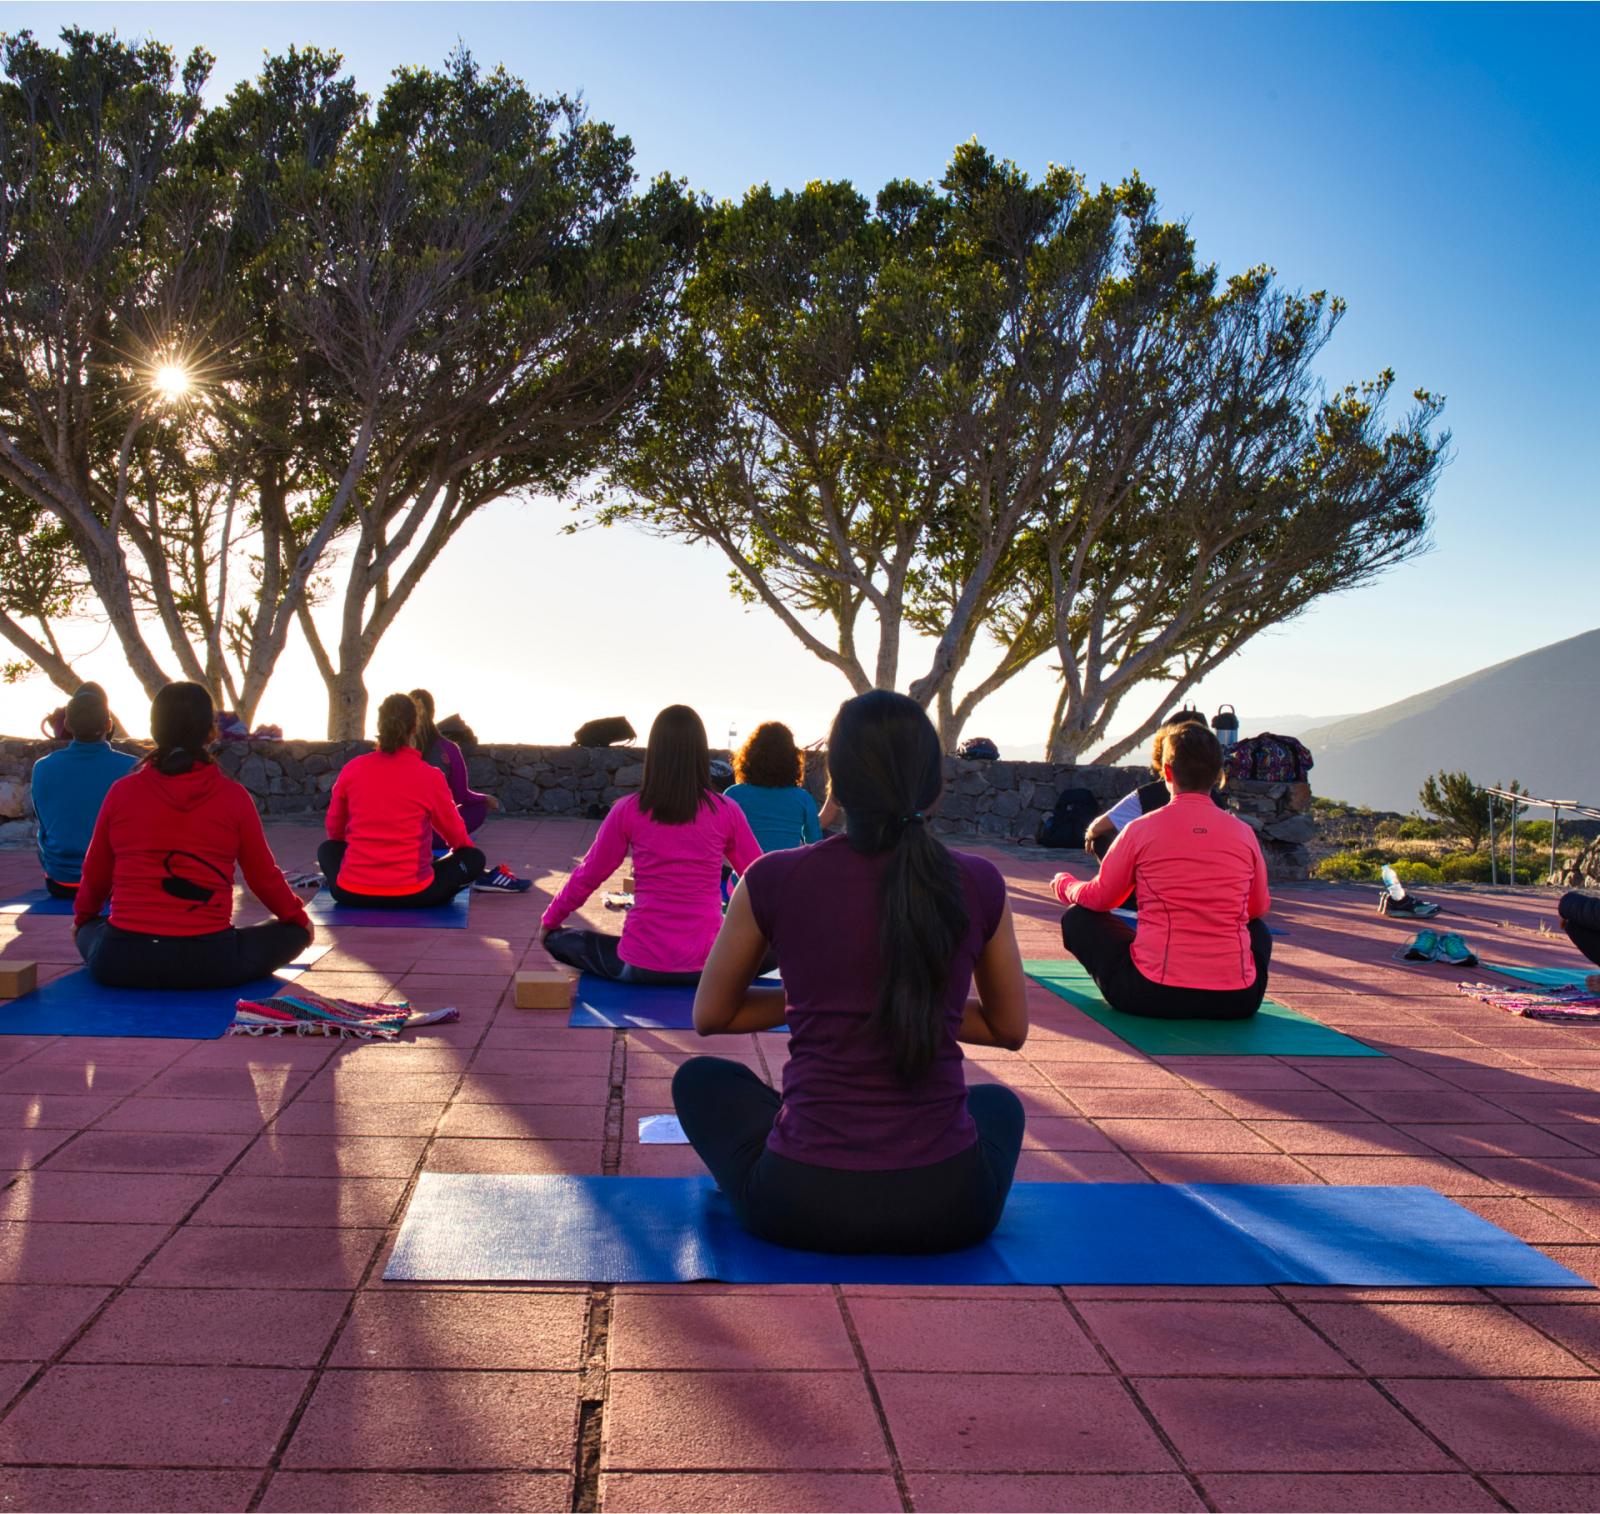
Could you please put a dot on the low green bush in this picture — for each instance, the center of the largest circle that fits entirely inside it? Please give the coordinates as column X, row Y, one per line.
column 1409, row 870
column 1346, row 867
column 1415, row 828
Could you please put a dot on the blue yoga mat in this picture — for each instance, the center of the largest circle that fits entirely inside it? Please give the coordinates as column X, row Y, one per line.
column 452, row 916
column 471, row 1227
column 602, row 1003
column 1545, row 977
column 39, row 902
column 78, row 1006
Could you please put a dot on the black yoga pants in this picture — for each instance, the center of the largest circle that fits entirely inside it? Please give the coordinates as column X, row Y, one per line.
column 1102, row 943
column 219, row 959
column 60, row 890
column 1580, row 918
column 727, row 1113
column 451, row 873
column 593, row 951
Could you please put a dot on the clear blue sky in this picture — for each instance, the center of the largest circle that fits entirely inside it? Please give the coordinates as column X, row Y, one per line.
column 1435, row 165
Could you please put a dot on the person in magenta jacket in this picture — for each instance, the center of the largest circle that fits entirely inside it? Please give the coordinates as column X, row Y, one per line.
column 1202, row 947
column 679, row 832
column 164, row 850
column 385, row 808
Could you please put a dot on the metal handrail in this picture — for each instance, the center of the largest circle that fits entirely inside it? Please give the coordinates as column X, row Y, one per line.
column 1520, row 802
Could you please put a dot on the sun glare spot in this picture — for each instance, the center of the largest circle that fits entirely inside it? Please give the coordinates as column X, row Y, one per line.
column 171, row 381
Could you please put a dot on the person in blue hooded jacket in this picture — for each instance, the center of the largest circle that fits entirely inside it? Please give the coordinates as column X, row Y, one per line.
column 69, row 787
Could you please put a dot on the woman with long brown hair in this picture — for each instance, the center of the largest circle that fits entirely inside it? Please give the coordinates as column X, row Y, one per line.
column 679, row 831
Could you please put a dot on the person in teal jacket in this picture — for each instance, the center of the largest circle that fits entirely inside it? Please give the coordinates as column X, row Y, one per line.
column 768, row 772
column 69, row 787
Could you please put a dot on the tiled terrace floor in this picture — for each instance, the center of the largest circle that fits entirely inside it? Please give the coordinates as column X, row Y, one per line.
column 192, row 1237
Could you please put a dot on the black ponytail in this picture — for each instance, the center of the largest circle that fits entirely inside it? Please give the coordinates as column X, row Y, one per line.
column 397, row 722
column 887, row 770
column 183, row 723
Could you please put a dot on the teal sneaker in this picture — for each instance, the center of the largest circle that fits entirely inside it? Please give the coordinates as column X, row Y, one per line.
column 1423, row 947
column 1455, row 951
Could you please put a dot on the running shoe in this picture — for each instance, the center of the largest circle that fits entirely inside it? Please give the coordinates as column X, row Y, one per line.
column 501, row 880
column 1423, row 947
column 1455, row 951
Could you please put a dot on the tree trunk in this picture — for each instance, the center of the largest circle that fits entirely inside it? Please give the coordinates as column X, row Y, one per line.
column 347, row 705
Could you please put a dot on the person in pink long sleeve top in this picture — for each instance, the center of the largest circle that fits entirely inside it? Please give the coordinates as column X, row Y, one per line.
column 679, row 832
column 1202, row 947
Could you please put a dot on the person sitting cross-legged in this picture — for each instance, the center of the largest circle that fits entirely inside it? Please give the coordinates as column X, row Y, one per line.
column 385, row 808
column 1580, row 919
column 876, row 1143
column 168, row 840
column 69, row 787
column 1202, row 947
column 679, row 832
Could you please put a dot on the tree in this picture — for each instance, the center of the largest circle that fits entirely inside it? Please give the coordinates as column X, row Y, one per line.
column 1013, row 414
column 1457, row 801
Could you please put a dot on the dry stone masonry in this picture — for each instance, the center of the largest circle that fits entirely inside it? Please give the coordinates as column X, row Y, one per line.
column 998, row 801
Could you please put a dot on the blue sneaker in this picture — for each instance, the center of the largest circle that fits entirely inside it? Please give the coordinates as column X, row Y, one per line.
column 499, row 879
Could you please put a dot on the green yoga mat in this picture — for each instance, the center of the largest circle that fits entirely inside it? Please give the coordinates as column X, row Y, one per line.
column 1274, row 1030
column 1545, row 977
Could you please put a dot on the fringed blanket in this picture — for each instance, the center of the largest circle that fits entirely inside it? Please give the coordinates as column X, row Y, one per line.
column 302, row 1012
column 1570, row 1005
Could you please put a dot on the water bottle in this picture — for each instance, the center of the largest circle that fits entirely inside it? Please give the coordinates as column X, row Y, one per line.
column 1226, row 724
column 1397, row 890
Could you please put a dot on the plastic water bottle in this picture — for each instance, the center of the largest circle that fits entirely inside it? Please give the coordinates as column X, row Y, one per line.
column 1397, row 890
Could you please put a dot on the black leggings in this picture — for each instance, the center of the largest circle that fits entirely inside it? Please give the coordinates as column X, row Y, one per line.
column 1580, row 919
column 727, row 1113
column 451, row 873
column 1102, row 943
column 60, row 890
column 219, row 959
column 593, row 951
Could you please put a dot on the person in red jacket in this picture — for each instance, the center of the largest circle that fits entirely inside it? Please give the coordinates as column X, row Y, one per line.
column 385, row 808
column 1202, row 948
column 164, row 849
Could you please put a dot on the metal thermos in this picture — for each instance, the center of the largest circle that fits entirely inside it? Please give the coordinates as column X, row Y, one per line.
column 1226, row 724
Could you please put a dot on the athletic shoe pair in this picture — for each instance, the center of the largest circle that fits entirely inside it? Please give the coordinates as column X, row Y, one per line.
column 499, row 879
column 1430, row 946
column 1408, row 906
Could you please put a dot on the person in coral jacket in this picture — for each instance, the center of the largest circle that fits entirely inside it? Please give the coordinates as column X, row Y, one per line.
column 1202, row 946
column 385, row 807
column 164, row 850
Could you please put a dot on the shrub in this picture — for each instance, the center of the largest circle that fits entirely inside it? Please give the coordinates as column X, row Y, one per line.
column 1415, row 828
column 1346, row 867
column 1465, row 867
column 1408, row 870
column 1534, row 832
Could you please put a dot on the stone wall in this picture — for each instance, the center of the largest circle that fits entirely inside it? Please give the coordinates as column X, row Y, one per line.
column 1001, row 801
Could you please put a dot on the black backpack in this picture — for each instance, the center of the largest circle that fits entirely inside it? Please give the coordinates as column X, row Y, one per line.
column 1064, row 826
column 604, row 732
column 978, row 749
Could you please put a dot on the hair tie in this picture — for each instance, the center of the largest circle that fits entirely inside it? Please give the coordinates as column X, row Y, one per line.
column 912, row 819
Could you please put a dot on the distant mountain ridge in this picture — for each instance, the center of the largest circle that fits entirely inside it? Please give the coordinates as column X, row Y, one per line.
column 1535, row 717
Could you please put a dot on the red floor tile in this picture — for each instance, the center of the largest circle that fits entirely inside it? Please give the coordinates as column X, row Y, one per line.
column 509, row 1331
column 241, row 1256
column 528, row 1122
column 49, row 1111
column 1287, row 1493
column 1441, row 1340
column 483, row 1155
column 1553, row 1495
column 1518, row 1140
column 1047, row 1493
column 1575, row 1327
column 356, row 1202
column 197, row 1116
column 152, row 1416
column 1061, row 1133
column 35, row 1321
column 1184, row 1135
column 1438, row 1173
column 1284, row 1425
column 104, row 1198
column 1507, row 1426
column 1078, row 1167
column 806, row 1421
column 1247, row 1167
column 744, row 1492
column 44, row 1252
column 277, row 1155
column 1343, row 1138
column 148, row 1151
column 71, row 1489
column 392, row 1421
column 321, row 1117
column 454, row 1493
column 745, row 1330
column 960, row 1422
column 971, row 1335
column 1198, row 1338
column 259, row 1326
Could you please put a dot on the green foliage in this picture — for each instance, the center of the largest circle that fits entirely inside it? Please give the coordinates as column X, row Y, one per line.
column 1464, row 807
column 1413, row 870
column 1346, row 867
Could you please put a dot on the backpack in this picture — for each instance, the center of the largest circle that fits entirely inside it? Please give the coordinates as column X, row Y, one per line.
column 978, row 749
column 604, row 732
column 1065, row 824
column 1269, row 759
